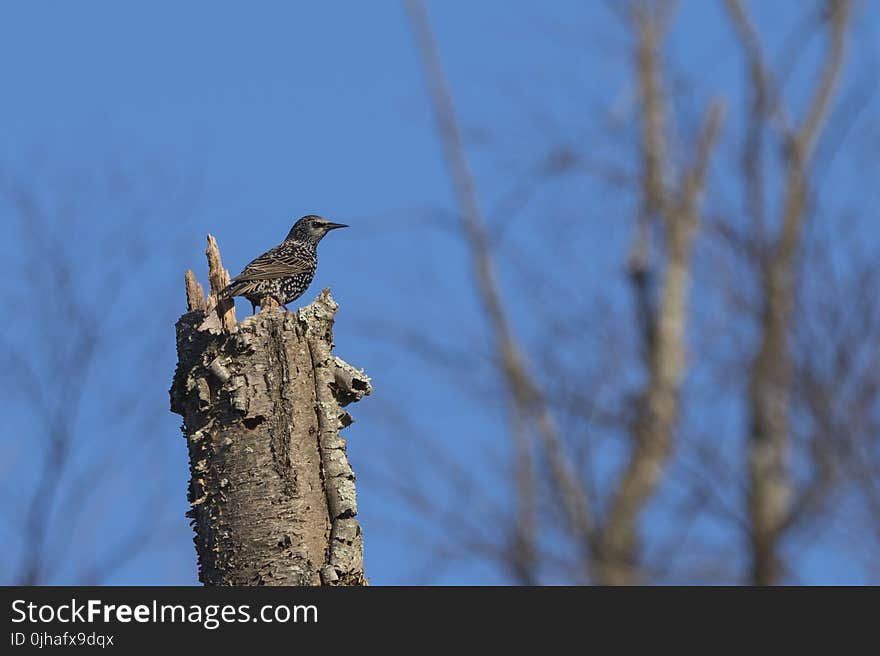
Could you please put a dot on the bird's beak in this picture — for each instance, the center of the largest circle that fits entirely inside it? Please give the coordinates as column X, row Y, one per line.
column 333, row 226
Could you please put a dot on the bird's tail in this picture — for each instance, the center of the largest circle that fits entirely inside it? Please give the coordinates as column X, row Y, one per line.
column 238, row 288
column 229, row 291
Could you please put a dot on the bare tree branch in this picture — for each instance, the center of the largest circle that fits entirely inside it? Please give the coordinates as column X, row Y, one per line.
column 658, row 407
column 771, row 491
column 525, row 399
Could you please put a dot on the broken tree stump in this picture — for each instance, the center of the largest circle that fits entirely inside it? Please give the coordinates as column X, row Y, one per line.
column 271, row 491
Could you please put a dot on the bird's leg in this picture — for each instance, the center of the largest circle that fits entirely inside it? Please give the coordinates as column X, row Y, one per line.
column 285, row 309
column 253, row 308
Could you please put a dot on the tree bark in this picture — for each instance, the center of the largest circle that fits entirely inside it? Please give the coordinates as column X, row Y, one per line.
column 271, row 491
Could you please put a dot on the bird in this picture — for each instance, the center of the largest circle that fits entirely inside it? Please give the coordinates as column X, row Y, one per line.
column 285, row 271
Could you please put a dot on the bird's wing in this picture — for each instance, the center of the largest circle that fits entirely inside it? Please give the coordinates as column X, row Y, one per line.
column 272, row 264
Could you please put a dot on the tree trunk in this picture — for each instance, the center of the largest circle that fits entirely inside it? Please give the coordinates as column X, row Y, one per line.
column 272, row 494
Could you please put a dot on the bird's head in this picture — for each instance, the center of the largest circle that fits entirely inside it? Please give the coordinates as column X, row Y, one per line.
column 312, row 228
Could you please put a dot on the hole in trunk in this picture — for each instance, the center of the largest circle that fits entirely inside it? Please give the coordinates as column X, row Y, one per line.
column 252, row 422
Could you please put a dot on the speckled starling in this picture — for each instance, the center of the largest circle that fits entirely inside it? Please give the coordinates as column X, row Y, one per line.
column 286, row 271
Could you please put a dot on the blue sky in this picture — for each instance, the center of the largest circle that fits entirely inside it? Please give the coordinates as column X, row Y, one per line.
column 236, row 121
